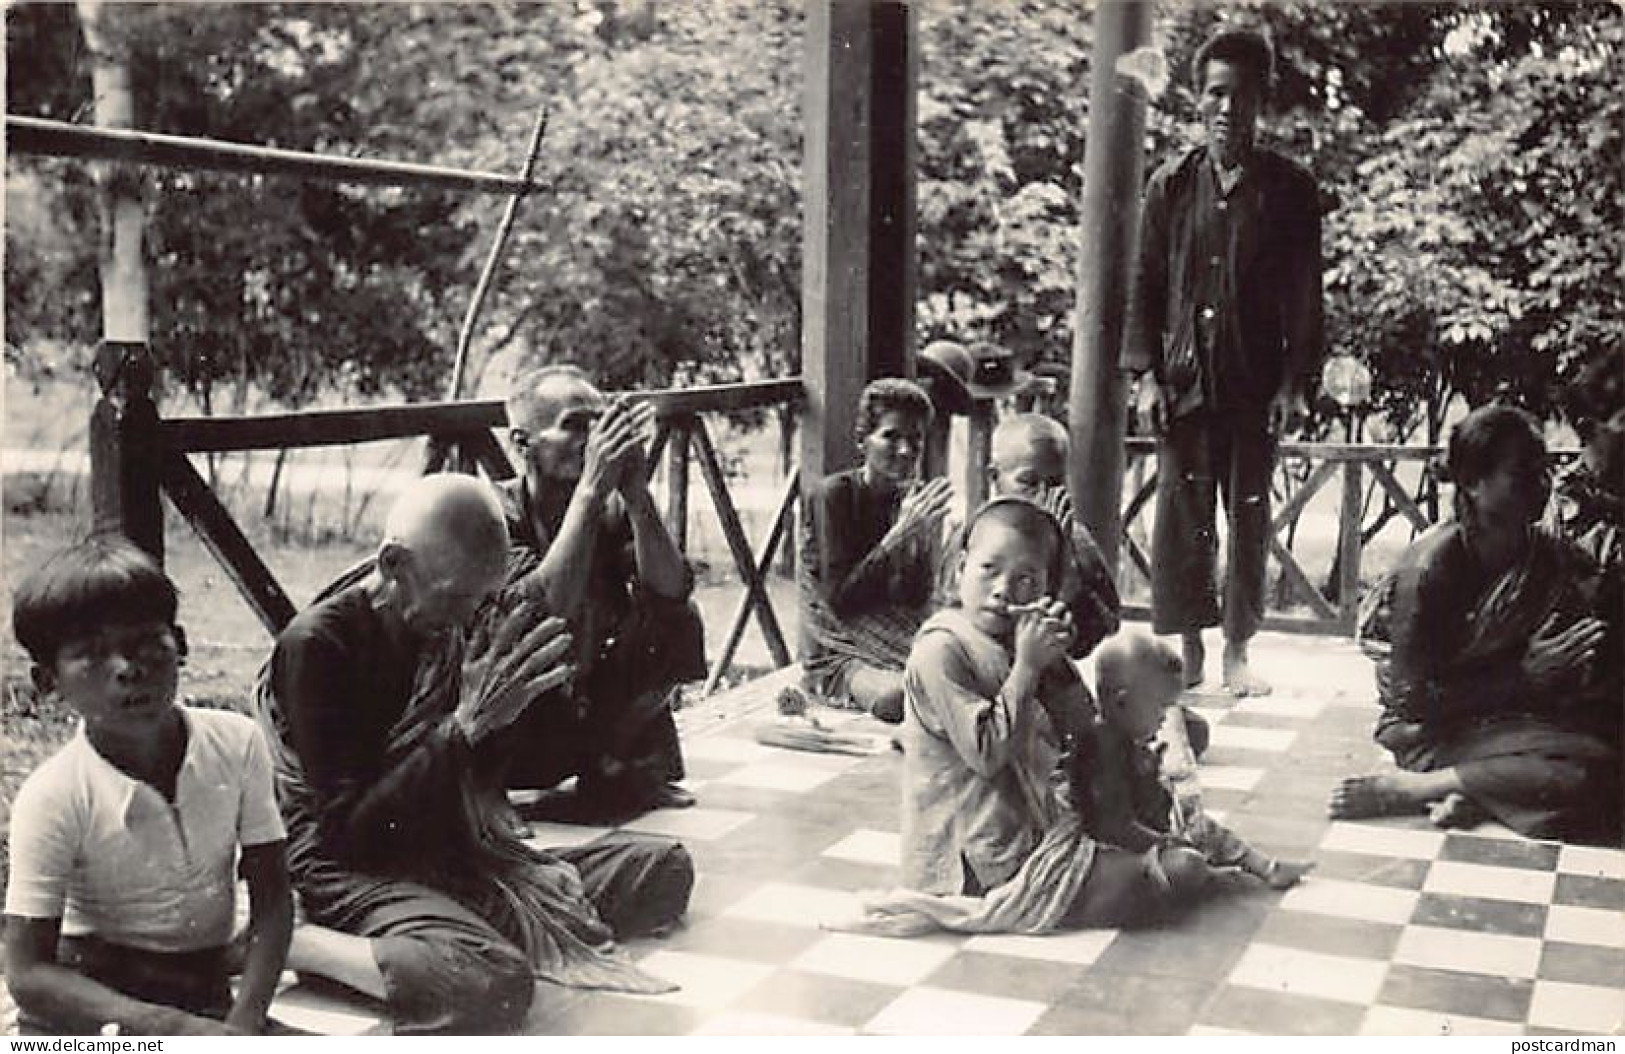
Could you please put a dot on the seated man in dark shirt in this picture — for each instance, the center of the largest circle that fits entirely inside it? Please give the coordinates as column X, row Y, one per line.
column 417, row 890
column 586, row 535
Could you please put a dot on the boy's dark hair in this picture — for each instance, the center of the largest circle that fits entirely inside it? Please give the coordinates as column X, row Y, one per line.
column 891, row 394
column 1247, row 49
column 100, row 581
column 1029, row 519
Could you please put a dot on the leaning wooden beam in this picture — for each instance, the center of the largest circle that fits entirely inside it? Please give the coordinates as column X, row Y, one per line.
column 368, row 424
column 1295, row 574
column 764, row 564
column 192, row 496
column 34, row 135
column 734, row 532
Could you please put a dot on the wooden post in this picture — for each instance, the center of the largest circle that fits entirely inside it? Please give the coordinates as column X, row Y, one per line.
column 126, row 447
column 1348, row 542
column 1112, row 167
column 858, row 255
column 677, row 484
column 978, row 452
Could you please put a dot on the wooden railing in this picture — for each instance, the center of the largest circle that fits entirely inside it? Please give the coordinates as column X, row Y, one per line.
column 136, row 456
column 1310, row 467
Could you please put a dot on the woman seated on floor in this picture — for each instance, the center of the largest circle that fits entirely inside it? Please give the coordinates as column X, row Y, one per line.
column 1486, row 637
column 873, row 540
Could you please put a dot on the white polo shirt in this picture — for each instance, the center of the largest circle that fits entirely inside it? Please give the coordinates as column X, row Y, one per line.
column 109, row 856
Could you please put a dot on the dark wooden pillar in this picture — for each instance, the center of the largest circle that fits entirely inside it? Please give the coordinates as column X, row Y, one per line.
column 1112, row 167
column 858, row 258
column 126, row 449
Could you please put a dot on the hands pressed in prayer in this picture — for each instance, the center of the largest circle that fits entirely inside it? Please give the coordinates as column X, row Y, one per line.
column 1043, row 632
column 634, row 471
column 1555, row 655
column 615, row 439
column 503, row 672
column 922, row 509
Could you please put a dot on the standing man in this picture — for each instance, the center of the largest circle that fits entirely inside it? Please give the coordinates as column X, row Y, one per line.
column 586, row 533
column 1225, row 316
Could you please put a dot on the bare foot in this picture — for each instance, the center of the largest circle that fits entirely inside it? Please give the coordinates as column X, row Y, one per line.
column 1284, row 874
column 1195, row 657
column 1240, row 679
column 1456, row 810
column 1360, row 797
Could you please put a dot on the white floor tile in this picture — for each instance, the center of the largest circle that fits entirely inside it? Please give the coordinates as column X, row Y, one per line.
column 544, row 834
column 1485, row 880
column 696, row 823
column 1228, row 777
column 878, row 960
column 791, row 905
column 1246, row 737
column 1591, row 860
column 727, row 749
column 1294, row 972
column 775, row 775
column 1077, row 948
column 1351, row 900
column 707, row 981
column 1379, row 840
column 1565, row 922
column 734, row 1023
column 320, row 1013
column 1494, row 954
column 939, row 1012
column 1215, row 1030
column 867, row 847
column 1213, row 715
column 1578, row 1008
column 1284, row 706
column 1402, row 1021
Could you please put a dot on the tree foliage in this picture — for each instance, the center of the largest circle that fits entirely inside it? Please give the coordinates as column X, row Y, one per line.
column 1468, row 152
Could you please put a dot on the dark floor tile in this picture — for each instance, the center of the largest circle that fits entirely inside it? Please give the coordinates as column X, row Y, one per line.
column 827, row 872
column 1397, row 872
column 1590, row 891
column 1582, row 964
column 606, row 1014
column 716, row 890
column 1329, row 935
column 1144, row 1004
column 758, row 800
column 748, row 939
column 1005, row 976
column 818, row 997
column 1470, row 995
column 1202, row 943
column 1257, row 823
column 1500, row 852
column 1280, row 1014
column 1075, row 1021
column 1481, row 915
column 769, row 847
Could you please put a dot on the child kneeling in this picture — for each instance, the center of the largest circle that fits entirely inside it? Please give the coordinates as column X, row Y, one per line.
column 991, row 700
column 121, row 899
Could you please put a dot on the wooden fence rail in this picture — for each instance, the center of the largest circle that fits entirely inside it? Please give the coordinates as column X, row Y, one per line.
column 137, row 457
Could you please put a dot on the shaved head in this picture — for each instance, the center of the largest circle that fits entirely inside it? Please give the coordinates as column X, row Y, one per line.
column 1137, row 677
column 1026, row 435
column 446, row 548
column 1027, row 456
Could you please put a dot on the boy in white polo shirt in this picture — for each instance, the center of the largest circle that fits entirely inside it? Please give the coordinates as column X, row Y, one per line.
column 121, row 900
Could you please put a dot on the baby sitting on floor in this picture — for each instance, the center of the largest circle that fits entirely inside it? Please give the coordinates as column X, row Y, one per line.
column 1118, row 782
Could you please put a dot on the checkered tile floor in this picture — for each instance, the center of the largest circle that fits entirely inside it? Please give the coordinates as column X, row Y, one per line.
column 1402, row 929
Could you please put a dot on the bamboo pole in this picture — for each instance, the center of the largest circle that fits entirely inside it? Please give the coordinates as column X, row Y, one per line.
column 34, row 135
column 465, row 336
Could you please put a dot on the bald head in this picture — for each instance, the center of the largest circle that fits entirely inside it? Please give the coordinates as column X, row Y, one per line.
column 1137, row 677
column 1028, row 453
column 445, row 549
